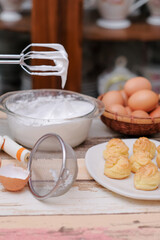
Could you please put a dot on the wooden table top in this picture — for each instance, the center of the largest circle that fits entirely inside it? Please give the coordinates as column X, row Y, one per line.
column 86, row 211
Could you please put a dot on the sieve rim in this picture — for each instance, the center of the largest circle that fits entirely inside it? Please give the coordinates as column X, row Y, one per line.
column 63, row 166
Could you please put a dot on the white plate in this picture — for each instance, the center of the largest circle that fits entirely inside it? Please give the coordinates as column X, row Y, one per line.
column 95, row 165
column 110, row 24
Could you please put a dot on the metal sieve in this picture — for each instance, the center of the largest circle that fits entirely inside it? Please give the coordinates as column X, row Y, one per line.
column 53, row 167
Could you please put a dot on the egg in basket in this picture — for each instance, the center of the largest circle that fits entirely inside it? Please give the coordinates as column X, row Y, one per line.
column 134, row 110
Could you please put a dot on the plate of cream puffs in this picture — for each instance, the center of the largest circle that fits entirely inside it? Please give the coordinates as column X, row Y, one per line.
column 129, row 167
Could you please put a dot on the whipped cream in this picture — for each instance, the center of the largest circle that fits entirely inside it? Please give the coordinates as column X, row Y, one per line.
column 54, row 108
column 50, row 114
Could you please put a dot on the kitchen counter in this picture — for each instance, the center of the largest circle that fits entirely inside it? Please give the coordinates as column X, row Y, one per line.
column 86, row 211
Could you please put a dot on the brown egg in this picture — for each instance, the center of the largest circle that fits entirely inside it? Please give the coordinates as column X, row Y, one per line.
column 156, row 112
column 112, row 97
column 129, row 111
column 135, row 84
column 140, row 114
column 145, row 100
column 125, row 97
column 117, row 108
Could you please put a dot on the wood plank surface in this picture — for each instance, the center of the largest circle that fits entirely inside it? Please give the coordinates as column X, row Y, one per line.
column 140, row 31
column 87, row 211
column 22, row 26
column 85, row 196
column 95, row 227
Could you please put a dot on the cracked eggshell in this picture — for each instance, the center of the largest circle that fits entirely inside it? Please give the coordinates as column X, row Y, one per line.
column 1, row 142
column 13, row 178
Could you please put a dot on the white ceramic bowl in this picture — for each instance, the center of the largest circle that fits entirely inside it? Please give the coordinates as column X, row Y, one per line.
column 26, row 128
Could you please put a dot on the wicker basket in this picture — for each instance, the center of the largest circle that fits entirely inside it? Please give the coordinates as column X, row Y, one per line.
column 130, row 125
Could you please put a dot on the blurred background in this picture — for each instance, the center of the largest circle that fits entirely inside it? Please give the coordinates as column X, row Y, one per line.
column 101, row 57
column 15, row 34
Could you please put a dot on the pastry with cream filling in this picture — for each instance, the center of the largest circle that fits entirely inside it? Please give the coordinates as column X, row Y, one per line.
column 158, row 156
column 139, row 159
column 117, row 167
column 147, row 177
column 115, row 147
column 144, row 144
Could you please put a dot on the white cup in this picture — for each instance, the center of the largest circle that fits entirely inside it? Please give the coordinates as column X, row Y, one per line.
column 118, row 9
column 10, row 10
column 154, row 8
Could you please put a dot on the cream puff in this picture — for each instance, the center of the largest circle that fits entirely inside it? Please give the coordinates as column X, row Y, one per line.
column 158, row 156
column 147, row 177
column 117, row 167
column 115, row 147
column 144, row 144
column 139, row 159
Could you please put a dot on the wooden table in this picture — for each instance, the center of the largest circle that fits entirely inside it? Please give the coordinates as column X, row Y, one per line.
column 87, row 211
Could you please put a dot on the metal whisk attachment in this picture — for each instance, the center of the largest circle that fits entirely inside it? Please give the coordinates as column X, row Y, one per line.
column 55, row 54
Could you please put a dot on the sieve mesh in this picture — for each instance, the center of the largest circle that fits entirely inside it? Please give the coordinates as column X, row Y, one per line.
column 52, row 166
column 46, row 165
column 45, row 172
